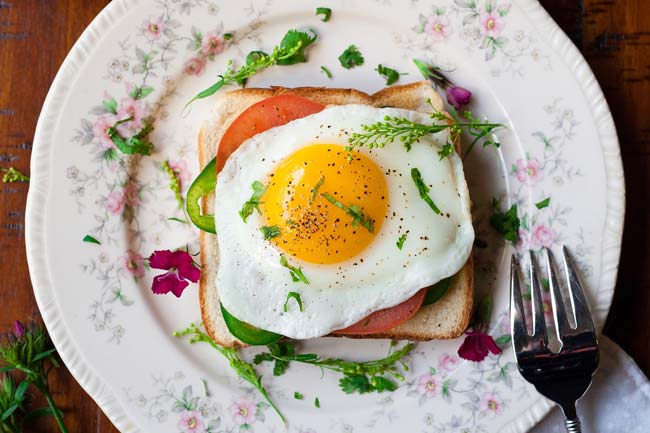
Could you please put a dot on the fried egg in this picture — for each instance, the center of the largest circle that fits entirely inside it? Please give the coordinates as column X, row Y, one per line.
column 326, row 222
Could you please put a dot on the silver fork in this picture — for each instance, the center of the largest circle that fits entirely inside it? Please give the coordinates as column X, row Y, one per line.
column 562, row 377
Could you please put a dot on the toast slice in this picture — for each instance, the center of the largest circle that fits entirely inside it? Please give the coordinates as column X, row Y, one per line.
column 447, row 318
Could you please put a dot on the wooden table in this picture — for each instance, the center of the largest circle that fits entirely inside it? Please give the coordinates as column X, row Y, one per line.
column 35, row 36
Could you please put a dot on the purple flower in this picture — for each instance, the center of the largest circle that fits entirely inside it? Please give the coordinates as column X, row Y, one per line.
column 180, row 268
column 458, row 96
column 476, row 346
column 19, row 329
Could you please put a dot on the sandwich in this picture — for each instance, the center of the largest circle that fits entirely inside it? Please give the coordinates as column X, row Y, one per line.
column 316, row 235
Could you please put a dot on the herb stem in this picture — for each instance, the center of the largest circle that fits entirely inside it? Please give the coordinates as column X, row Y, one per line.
column 43, row 388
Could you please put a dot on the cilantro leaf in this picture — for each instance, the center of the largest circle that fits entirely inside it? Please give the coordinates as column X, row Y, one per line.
column 326, row 71
column 380, row 384
column 297, row 297
column 325, row 12
column 351, row 57
column 391, row 75
column 401, row 240
column 298, row 396
column 507, row 223
column 296, row 273
column 423, row 189
column 293, row 39
column 358, row 217
column 254, row 202
column 270, row 232
column 544, row 203
column 351, row 383
column 317, row 402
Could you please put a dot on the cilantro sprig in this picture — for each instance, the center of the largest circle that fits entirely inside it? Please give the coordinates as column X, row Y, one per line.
column 243, row 369
column 253, row 203
column 358, row 377
column 314, row 190
column 401, row 240
column 506, row 223
column 289, row 51
column 296, row 273
column 358, row 217
column 351, row 57
column 409, row 132
column 270, row 232
column 295, row 296
column 391, row 75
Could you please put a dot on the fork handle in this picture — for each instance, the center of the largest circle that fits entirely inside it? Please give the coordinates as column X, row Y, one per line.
column 573, row 425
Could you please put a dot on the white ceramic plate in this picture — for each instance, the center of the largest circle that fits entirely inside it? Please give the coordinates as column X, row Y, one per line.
column 115, row 336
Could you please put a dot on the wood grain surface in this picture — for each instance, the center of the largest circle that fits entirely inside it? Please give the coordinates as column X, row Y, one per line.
column 35, row 36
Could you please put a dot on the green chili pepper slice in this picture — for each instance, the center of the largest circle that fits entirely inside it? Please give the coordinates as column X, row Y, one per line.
column 248, row 334
column 204, row 184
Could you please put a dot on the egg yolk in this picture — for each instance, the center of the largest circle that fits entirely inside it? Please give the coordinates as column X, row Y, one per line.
column 328, row 208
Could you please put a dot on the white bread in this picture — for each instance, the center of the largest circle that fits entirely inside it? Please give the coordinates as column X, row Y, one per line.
column 447, row 318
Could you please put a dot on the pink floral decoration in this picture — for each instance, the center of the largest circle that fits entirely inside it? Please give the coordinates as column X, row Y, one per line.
column 243, row 411
column 100, row 130
column 541, row 236
column 131, row 194
column 492, row 24
column 115, row 202
column 429, row 385
column 490, row 403
column 180, row 269
column 529, row 171
column 134, row 263
column 523, row 244
column 438, row 27
column 194, row 66
column 212, row 44
column 153, row 28
column 191, row 422
column 131, row 108
column 448, row 363
column 476, row 346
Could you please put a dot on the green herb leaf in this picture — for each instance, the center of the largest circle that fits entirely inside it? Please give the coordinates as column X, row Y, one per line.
column 326, row 71
column 12, row 175
column 358, row 217
column 380, row 384
column 391, row 75
column 484, row 310
column 437, row 291
column 446, row 150
column 423, row 189
column 297, row 297
column 355, row 383
column 254, row 202
column 314, row 190
column 44, row 354
column 174, row 184
column 351, row 57
column 91, row 240
column 325, row 12
column 296, row 273
column 291, row 50
column 298, row 396
column 507, row 223
column 227, row 36
column 137, row 144
column 317, row 403
column 544, row 203
column 270, row 232
column 242, row 368
column 401, row 240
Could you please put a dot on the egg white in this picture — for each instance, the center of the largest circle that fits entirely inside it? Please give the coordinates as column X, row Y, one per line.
column 253, row 286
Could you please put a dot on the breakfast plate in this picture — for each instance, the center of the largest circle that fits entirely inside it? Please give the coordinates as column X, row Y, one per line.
column 558, row 161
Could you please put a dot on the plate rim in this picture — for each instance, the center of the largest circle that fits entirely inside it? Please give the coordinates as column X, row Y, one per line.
column 35, row 241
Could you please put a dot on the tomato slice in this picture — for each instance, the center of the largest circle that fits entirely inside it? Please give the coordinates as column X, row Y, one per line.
column 388, row 318
column 274, row 111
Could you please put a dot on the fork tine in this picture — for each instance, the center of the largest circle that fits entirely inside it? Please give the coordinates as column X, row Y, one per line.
column 583, row 319
column 559, row 312
column 517, row 319
column 539, row 324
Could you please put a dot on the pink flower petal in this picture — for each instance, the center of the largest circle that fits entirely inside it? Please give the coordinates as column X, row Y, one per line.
column 161, row 260
column 189, row 271
column 169, row 282
column 476, row 346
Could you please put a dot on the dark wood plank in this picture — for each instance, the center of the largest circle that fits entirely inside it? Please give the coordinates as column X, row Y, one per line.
column 35, row 36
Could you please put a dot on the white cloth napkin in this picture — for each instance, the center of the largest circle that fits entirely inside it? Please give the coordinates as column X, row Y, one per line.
column 618, row 400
